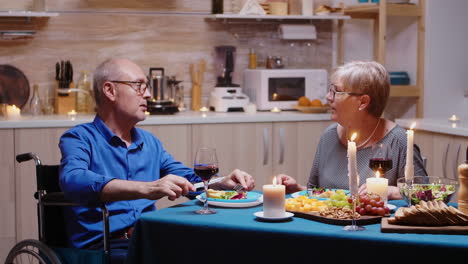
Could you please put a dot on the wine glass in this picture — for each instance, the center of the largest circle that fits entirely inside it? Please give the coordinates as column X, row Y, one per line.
column 205, row 166
column 381, row 160
column 353, row 226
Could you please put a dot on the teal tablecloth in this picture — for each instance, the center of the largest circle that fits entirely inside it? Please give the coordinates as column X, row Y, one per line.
column 177, row 234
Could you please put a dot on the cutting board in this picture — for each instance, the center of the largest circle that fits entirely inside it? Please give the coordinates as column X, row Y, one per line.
column 14, row 86
column 385, row 227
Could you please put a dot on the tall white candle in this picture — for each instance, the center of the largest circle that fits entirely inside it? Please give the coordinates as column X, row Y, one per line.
column 13, row 112
column 352, row 166
column 409, row 168
column 378, row 186
column 274, row 199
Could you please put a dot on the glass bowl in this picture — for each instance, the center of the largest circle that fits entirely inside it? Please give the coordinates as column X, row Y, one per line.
column 428, row 188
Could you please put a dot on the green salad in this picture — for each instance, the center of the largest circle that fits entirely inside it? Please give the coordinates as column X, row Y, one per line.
column 429, row 192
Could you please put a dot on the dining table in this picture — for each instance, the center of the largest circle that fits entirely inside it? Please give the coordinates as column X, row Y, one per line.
column 235, row 235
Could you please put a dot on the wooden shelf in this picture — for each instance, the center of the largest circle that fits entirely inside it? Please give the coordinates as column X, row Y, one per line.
column 27, row 14
column 404, row 91
column 372, row 10
column 272, row 17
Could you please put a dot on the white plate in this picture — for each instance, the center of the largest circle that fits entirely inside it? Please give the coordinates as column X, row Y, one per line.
column 233, row 205
column 261, row 216
column 391, row 206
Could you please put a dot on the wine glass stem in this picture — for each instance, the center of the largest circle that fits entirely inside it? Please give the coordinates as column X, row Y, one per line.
column 205, row 203
column 353, row 218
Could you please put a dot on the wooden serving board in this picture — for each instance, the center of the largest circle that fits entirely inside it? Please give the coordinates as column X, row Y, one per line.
column 450, row 230
column 363, row 220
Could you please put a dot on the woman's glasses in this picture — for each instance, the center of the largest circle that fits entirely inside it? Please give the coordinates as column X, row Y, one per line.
column 333, row 92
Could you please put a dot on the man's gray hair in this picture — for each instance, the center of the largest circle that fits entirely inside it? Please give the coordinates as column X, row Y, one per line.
column 108, row 70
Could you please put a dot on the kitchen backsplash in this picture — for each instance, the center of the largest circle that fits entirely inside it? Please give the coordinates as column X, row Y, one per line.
column 172, row 35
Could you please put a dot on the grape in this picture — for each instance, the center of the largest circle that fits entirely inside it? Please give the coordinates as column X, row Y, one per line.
column 371, row 204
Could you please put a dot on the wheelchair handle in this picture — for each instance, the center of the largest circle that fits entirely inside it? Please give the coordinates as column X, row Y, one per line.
column 28, row 156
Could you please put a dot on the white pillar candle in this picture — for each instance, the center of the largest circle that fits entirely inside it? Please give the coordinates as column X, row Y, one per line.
column 409, row 168
column 352, row 166
column 378, row 186
column 274, row 199
column 13, row 112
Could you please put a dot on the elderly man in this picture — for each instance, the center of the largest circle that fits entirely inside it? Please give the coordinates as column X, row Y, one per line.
column 110, row 161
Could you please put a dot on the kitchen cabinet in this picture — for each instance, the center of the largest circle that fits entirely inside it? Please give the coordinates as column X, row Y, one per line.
column 379, row 13
column 7, row 192
column 444, row 152
column 262, row 149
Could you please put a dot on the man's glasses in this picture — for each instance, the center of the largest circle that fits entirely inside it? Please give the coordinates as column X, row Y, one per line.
column 333, row 92
column 139, row 86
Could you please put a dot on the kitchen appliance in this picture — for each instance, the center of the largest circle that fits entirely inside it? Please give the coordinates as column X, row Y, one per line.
column 162, row 101
column 226, row 96
column 281, row 88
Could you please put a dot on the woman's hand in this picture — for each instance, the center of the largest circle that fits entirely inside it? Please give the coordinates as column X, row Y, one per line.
column 290, row 183
column 393, row 192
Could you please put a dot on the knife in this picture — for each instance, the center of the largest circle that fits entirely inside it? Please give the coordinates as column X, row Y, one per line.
column 57, row 71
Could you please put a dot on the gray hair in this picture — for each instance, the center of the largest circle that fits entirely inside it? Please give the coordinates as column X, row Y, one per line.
column 366, row 77
column 108, row 70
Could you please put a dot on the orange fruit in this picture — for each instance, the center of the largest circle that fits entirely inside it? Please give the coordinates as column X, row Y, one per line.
column 303, row 101
column 316, row 103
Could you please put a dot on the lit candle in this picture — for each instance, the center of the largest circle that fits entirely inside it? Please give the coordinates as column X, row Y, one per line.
column 274, row 199
column 204, row 109
column 13, row 112
column 409, row 168
column 275, row 110
column 378, row 186
column 72, row 114
column 147, row 113
column 454, row 118
column 352, row 166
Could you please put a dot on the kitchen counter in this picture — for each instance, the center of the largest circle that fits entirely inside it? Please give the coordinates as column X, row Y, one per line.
column 188, row 117
column 437, row 125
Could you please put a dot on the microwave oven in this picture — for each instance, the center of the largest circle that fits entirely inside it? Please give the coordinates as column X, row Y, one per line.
column 281, row 88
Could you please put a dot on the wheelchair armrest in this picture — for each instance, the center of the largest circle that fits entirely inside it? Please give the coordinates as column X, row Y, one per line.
column 57, row 198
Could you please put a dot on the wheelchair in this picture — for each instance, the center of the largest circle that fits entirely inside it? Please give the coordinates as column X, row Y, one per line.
column 51, row 247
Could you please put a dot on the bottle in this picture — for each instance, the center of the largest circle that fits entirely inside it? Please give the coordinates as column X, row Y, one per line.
column 35, row 105
column 463, row 190
column 84, row 97
column 217, row 7
column 252, row 59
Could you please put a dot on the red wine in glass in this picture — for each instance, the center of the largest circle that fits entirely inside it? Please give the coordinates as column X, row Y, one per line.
column 205, row 172
column 205, row 166
column 380, row 164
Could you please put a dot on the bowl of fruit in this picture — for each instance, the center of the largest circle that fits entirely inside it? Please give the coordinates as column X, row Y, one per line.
column 427, row 188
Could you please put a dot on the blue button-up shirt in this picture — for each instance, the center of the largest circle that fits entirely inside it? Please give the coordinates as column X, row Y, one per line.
column 91, row 157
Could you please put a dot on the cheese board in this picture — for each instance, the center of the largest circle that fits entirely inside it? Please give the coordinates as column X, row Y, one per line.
column 363, row 220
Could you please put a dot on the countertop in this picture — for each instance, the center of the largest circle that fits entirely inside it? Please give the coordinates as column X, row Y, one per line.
column 459, row 128
column 187, row 117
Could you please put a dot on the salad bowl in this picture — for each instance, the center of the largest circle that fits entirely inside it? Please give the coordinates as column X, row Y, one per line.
column 428, row 188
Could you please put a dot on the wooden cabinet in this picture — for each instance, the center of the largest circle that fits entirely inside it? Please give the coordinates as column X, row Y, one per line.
column 444, row 152
column 262, row 149
column 379, row 13
column 7, row 192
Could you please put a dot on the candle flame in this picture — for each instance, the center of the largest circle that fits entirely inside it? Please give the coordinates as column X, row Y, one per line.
column 274, row 180
column 353, row 137
column 377, row 174
column 413, row 125
column 454, row 117
column 14, row 107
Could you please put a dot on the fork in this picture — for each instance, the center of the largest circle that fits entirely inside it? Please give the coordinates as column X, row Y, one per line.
column 238, row 187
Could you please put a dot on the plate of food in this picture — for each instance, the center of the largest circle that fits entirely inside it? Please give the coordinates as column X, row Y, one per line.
column 312, row 109
column 319, row 193
column 229, row 198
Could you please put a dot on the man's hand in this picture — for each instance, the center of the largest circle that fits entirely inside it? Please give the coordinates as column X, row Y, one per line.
column 172, row 186
column 235, row 177
column 290, row 183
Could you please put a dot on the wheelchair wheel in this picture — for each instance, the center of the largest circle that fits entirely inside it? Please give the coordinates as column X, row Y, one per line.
column 32, row 251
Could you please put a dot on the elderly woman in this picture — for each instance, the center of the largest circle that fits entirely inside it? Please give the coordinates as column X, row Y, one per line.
column 358, row 94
